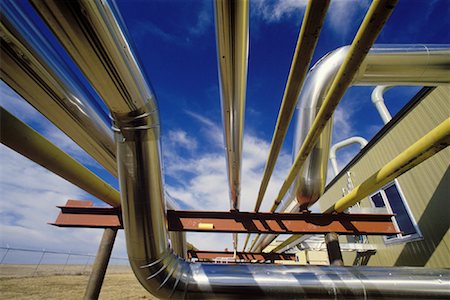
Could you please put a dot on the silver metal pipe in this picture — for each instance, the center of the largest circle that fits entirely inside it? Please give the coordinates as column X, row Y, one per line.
column 34, row 69
column 339, row 145
column 378, row 100
column 388, row 65
column 166, row 275
column 232, row 51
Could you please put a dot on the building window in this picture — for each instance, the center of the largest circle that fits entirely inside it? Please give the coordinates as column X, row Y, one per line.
column 393, row 200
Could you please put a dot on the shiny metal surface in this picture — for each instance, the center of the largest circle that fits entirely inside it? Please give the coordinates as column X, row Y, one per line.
column 33, row 68
column 339, row 145
column 232, row 52
column 166, row 275
column 399, row 65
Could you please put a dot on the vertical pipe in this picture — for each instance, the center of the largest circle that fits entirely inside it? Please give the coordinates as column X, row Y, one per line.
column 333, row 249
column 352, row 140
column 101, row 263
column 378, row 101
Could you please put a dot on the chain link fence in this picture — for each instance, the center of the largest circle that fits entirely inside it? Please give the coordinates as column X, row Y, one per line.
column 21, row 262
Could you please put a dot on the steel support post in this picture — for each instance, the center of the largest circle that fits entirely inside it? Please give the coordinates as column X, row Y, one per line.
column 101, row 263
column 333, row 249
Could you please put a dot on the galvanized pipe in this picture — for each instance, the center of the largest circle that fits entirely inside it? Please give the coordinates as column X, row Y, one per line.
column 34, row 69
column 339, row 145
column 165, row 275
column 24, row 140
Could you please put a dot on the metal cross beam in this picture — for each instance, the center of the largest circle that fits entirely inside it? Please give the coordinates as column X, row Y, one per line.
column 287, row 223
column 81, row 213
column 77, row 213
column 247, row 256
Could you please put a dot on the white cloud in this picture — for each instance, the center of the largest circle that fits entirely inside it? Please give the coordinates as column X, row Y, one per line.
column 180, row 138
column 341, row 14
column 275, row 11
column 342, row 124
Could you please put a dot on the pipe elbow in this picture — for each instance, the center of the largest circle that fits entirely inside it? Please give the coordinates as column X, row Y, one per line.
column 166, row 277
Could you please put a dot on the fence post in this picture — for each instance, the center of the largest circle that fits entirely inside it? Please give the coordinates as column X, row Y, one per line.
column 39, row 263
column 101, row 263
column 4, row 256
column 67, row 260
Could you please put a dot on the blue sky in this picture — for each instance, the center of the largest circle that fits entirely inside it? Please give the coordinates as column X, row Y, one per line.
column 175, row 41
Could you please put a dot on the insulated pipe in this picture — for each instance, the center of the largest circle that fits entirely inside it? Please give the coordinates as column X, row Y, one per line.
column 347, row 142
column 164, row 274
column 34, row 69
column 378, row 101
column 306, row 43
column 232, row 51
column 24, row 140
column 430, row 144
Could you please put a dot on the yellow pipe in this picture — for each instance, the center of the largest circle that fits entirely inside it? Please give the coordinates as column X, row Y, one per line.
column 24, row 140
column 430, row 144
column 286, row 242
column 373, row 22
column 306, row 43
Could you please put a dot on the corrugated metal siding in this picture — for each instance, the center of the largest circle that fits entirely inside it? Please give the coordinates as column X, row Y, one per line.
column 426, row 187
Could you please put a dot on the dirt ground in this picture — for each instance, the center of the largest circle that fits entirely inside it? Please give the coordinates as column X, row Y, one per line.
column 119, row 283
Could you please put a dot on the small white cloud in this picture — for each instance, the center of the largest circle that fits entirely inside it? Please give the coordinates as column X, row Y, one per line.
column 180, row 138
column 276, row 11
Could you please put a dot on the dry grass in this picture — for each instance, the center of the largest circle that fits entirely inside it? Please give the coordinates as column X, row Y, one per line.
column 119, row 283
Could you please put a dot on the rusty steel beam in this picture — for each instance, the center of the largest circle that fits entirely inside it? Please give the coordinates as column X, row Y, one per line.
column 288, row 223
column 81, row 213
column 247, row 256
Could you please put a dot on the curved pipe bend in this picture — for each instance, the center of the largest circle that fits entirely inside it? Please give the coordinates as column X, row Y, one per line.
column 339, row 145
column 378, row 100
